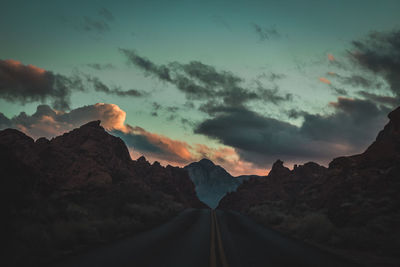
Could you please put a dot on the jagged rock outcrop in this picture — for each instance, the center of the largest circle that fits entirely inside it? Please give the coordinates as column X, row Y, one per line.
column 82, row 188
column 356, row 200
column 212, row 181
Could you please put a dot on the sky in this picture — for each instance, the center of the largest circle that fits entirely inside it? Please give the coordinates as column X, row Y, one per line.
column 243, row 83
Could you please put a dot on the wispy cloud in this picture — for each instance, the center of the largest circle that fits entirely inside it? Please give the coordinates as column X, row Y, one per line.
column 266, row 33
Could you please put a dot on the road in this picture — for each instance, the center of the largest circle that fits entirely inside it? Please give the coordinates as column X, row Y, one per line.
column 206, row 238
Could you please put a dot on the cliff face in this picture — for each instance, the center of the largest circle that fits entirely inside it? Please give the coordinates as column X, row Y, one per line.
column 82, row 188
column 212, row 181
column 356, row 200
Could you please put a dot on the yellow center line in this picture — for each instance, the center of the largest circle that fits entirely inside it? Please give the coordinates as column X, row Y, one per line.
column 216, row 242
column 213, row 257
column 222, row 256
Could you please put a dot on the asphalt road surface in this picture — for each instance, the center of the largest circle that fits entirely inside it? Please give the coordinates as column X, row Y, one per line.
column 206, row 238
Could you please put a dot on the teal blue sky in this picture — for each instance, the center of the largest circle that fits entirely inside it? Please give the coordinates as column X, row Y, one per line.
column 301, row 38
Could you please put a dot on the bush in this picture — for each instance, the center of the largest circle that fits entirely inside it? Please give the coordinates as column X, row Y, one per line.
column 67, row 235
column 315, row 226
column 267, row 215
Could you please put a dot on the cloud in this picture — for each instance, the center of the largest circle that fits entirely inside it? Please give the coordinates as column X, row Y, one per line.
column 379, row 53
column 220, row 21
column 266, row 33
column 28, row 83
column 99, row 86
column 98, row 66
column 105, row 13
column 338, row 91
column 199, row 81
column 161, row 72
column 261, row 140
column 90, row 24
column 385, row 100
column 47, row 122
column 156, row 146
column 99, row 24
column 272, row 76
column 324, row 80
column 355, row 80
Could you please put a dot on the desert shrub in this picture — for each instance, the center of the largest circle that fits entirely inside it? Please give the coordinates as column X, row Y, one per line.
column 107, row 228
column 32, row 242
column 267, row 215
column 357, row 238
column 76, row 212
column 144, row 212
column 315, row 226
column 34, row 235
column 66, row 235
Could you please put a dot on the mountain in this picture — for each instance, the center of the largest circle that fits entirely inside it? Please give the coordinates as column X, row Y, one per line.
column 353, row 206
column 80, row 189
column 212, row 181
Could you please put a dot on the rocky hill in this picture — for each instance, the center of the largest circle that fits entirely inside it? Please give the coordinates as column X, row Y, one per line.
column 212, row 181
column 80, row 189
column 353, row 206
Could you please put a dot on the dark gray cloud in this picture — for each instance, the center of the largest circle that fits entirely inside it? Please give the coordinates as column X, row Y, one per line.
column 353, row 125
column 380, row 54
column 266, row 33
column 170, row 111
column 338, row 91
column 161, row 72
column 90, row 24
column 199, row 81
column 355, row 122
column 96, row 24
column 156, row 108
column 98, row 66
column 220, row 21
column 385, row 100
column 27, row 83
column 355, row 80
column 106, row 13
column 272, row 76
column 99, row 86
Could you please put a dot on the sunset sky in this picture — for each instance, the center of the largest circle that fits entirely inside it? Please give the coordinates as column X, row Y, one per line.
column 242, row 83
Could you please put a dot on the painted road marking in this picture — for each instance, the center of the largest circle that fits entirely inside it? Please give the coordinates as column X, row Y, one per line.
column 217, row 253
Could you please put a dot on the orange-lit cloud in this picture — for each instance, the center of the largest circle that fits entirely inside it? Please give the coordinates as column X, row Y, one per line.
column 17, row 64
column 47, row 122
column 112, row 117
column 28, row 83
column 324, row 80
column 175, row 150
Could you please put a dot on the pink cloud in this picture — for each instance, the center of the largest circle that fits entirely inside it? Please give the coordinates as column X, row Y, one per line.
column 324, row 80
column 48, row 122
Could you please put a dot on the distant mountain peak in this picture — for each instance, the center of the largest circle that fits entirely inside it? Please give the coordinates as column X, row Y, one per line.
column 92, row 124
column 212, row 181
column 207, row 162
